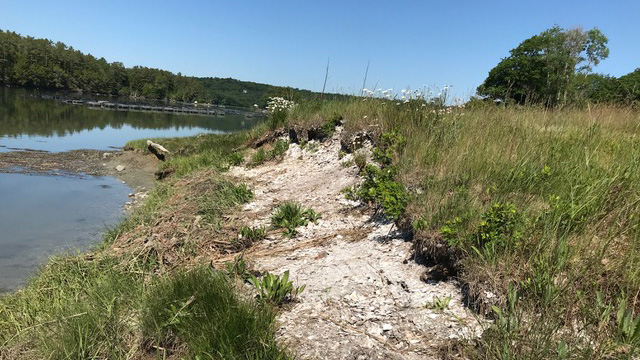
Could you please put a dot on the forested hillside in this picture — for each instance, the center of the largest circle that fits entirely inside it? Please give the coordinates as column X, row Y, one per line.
column 41, row 63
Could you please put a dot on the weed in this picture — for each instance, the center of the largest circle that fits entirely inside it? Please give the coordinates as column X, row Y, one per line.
column 389, row 145
column 261, row 156
column 236, row 159
column 312, row 146
column 275, row 289
column 278, row 112
column 290, row 215
column 220, row 196
column 249, row 235
column 347, row 163
column 628, row 326
column 242, row 193
column 439, row 304
column 380, row 188
column 360, row 159
column 280, row 146
column 237, row 268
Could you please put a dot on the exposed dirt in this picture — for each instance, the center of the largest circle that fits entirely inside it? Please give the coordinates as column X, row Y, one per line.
column 137, row 169
column 364, row 297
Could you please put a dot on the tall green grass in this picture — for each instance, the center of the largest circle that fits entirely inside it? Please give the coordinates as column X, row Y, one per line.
column 543, row 202
column 201, row 308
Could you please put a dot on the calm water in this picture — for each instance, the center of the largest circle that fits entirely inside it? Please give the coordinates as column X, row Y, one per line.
column 43, row 215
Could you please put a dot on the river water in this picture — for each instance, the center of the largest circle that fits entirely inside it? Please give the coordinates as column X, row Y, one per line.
column 42, row 215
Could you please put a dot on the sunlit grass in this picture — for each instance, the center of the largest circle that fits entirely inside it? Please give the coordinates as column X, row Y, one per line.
column 572, row 177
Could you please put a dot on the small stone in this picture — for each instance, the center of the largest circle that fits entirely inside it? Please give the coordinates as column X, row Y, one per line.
column 386, row 327
column 120, row 168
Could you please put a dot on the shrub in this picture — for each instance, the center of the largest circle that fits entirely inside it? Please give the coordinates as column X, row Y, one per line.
column 329, row 127
column 380, row 188
column 499, row 227
column 389, row 145
column 275, row 289
column 290, row 215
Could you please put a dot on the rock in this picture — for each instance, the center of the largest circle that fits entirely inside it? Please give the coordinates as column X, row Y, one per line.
column 387, row 327
column 120, row 168
column 106, row 155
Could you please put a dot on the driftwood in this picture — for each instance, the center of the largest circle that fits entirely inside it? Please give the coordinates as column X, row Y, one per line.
column 156, row 149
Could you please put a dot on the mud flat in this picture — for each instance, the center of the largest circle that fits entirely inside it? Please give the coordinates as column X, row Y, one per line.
column 132, row 167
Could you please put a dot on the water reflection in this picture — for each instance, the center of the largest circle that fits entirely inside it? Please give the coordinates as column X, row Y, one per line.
column 36, row 123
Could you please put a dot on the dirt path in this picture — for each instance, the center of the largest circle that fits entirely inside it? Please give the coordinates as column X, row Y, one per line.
column 364, row 298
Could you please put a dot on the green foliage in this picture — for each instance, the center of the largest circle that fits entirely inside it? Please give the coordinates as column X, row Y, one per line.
column 499, row 226
column 74, row 309
column 360, row 159
column 40, row 63
column 277, row 119
column 329, row 127
column 220, row 196
column 236, row 159
column 274, row 289
column 389, row 145
column 380, row 188
column 249, row 235
column 290, row 215
column 280, row 147
column 439, row 304
column 542, row 68
column 628, row 326
column 450, row 229
column 237, row 268
column 261, row 156
column 198, row 311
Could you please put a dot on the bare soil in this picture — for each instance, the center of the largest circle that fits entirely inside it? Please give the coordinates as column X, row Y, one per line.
column 364, row 296
column 138, row 170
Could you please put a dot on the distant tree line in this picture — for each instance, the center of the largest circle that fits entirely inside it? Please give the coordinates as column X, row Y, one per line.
column 40, row 63
column 555, row 68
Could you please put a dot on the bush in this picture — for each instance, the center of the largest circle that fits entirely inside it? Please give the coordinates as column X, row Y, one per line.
column 499, row 226
column 380, row 188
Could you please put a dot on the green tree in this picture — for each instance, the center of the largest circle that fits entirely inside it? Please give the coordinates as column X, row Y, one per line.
column 542, row 68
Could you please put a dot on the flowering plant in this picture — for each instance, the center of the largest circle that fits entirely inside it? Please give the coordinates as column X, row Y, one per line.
column 278, row 108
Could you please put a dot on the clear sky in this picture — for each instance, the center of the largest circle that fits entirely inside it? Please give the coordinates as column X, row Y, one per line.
column 409, row 43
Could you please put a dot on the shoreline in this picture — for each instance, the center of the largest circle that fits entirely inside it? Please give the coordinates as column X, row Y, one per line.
column 132, row 167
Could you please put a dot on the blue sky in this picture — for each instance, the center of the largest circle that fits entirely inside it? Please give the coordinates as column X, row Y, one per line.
column 409, row 43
